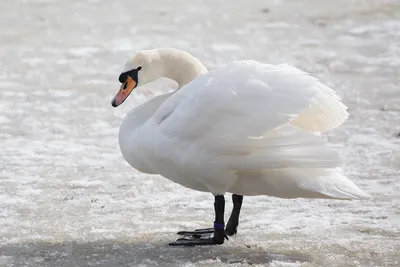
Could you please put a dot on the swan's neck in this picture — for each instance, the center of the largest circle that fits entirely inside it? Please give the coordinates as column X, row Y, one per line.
column 181, row 67
column 170, row 63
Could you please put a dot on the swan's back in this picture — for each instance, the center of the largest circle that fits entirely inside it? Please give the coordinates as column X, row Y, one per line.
column 277, row 94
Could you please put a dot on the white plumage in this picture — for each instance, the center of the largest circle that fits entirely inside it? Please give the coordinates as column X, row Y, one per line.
column 247, row 128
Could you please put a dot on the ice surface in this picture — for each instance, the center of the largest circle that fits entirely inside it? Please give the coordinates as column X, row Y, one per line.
column 67, row 198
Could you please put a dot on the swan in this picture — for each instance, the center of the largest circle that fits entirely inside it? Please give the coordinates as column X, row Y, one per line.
column 245, row 128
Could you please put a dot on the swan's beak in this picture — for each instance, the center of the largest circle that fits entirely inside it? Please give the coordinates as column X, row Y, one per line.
column 126, row 88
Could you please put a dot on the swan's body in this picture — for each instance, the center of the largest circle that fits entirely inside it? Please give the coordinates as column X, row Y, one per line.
column 247, row 128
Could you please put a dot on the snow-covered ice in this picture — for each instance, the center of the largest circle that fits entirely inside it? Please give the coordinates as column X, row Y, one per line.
column 67, row 197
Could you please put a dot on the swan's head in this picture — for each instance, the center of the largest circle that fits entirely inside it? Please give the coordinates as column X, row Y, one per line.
column 142, row 68
column 149, row 65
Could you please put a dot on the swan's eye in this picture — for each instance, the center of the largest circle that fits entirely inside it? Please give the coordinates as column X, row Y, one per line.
column 139, row 68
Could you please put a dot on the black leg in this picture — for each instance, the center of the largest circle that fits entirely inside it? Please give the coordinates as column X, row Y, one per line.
column 219, row 232
column 231, row 227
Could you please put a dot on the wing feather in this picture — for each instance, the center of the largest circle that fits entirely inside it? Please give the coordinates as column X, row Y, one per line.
column 247, row 99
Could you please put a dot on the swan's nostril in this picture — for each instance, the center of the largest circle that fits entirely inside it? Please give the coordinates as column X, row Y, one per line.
column 125, row 85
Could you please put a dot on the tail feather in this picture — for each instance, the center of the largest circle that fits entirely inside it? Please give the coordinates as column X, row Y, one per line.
column 289, row 162
column 298, row 183
column 332, row 183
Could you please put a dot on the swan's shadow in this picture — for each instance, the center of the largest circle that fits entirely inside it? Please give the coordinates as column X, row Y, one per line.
column 115, row 253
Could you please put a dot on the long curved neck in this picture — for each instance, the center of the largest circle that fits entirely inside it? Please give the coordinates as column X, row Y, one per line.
column 181, row 66
column 170, row 63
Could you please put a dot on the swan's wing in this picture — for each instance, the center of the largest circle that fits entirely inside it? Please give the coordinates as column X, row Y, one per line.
column 244, row 100
column 258, row 121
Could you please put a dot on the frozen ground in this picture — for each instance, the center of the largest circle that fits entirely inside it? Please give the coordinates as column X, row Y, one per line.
column 67, row 198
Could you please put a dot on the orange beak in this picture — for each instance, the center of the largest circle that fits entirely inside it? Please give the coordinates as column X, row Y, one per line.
column 126, row 88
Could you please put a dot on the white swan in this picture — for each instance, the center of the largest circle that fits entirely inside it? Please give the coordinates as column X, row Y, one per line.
column 247, row 128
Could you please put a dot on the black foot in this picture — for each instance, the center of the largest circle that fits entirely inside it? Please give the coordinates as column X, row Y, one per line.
column 188, row 242
column 202, row 237
column 198, row 233
column 211, row 236
column 230, row 230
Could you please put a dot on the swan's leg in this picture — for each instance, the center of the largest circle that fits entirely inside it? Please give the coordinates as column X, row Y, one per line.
column 219, row 232
column 231, row 227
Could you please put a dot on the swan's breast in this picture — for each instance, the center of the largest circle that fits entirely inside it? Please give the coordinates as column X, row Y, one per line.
column 133, row 144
